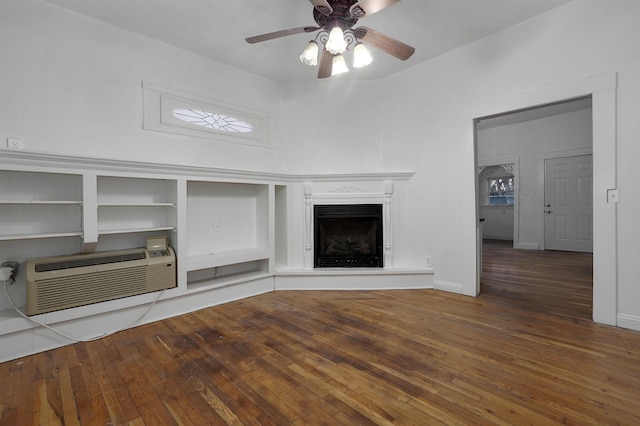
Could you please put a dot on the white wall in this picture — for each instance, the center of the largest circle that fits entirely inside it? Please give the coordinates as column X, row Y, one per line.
column 332, row 126
column 531, row 142
column 72, row 85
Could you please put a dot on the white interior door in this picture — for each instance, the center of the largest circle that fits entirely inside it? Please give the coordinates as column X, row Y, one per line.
column 569, row 204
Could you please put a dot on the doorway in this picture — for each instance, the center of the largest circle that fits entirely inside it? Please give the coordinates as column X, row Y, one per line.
column 555, row 185
column 603, row 92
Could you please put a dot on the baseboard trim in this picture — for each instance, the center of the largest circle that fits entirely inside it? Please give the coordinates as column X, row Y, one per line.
column 448, row 286
column 628, row 321
column 527, row 246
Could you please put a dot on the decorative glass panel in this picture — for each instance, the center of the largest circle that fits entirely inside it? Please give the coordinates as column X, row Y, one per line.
column 212, row 120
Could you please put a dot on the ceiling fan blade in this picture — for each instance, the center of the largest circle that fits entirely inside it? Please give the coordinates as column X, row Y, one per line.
column 281, row 33
column 322, row 6
column 325, row 67
column 369, row 7
column 385, row 43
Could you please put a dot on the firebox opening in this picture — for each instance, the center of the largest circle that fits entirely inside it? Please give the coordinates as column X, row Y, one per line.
column 348, row 236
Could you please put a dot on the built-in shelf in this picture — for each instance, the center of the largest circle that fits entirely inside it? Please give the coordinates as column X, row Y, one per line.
column 212, row 260
column 39, row 205
column 40, row 202
column 38, row 236
column 136, row 205
column 135, row 230
column 228, row 233
column 227, row 274
column 214, row 283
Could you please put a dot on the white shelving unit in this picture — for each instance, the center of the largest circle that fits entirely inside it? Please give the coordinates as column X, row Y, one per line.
column 128, row 209
column 41, row 214
column 37, row 205
column 51, row 206
column 228, row 232
column 135, row 205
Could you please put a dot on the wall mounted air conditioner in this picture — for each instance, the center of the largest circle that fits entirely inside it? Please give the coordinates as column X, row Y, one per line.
column 55, row 283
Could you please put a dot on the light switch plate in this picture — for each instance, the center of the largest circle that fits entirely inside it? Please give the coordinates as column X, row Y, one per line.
column 14, row 143
column 613, row 195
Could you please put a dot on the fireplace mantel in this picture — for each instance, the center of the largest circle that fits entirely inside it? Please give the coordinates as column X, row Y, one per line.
column 349, row 192
column 390, row 191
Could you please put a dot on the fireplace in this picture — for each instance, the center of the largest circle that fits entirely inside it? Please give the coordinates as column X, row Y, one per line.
column 348, row 235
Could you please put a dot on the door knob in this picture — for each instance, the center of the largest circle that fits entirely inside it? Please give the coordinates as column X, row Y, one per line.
column 547, row 205
column 547, row 211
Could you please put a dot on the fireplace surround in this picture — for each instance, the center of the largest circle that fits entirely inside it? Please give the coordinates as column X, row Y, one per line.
column 348, row 236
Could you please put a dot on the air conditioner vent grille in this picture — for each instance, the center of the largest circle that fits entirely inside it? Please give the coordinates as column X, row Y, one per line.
column 64, row 292
column 88, row 261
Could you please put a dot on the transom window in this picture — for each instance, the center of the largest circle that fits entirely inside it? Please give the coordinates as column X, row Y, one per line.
column 188, row 115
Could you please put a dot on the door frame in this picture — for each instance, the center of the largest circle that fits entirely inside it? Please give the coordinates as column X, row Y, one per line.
column 603, row 92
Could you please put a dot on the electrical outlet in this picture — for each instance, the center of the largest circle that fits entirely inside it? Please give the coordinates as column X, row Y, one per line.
column 11, row 269
column 216, row 226
column 14, row 143
column 428, row 261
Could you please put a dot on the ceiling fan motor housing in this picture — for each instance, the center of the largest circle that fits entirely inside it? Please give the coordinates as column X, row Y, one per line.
column 341, row 12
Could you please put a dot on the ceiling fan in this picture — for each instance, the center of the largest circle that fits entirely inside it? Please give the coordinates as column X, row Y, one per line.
column 335, row 20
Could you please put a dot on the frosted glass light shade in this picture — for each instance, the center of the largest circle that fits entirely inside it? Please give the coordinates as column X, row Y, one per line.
column 361, row 56
column 310, row 54
column 339, row 65
column 336, row 43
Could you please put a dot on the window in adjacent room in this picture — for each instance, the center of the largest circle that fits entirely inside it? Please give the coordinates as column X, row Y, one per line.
column 500, row 191
column 497, row 185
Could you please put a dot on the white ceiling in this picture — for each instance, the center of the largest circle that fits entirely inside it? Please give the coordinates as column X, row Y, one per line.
column 217, row 28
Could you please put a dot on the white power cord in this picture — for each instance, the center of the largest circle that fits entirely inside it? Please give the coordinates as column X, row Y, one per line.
column 89, row 339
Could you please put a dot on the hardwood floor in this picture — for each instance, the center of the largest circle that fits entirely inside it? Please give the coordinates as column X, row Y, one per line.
column 551, row 281
column 523, row 352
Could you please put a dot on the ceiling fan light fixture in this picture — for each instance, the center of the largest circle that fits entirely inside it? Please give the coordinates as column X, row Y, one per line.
column 336, row 43
column 310, row 54
column 339, row 66
column 361, row 56
column 336, row 34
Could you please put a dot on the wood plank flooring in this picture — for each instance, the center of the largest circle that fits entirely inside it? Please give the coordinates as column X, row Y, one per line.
column 522, row 353
column 551, row 281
